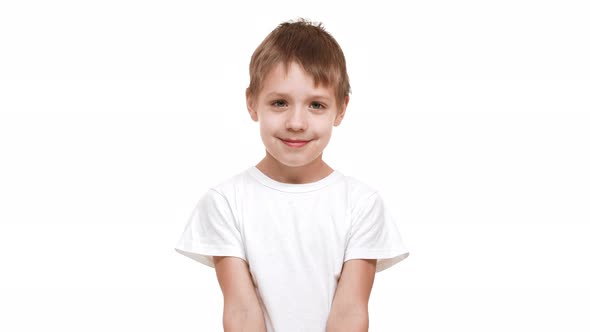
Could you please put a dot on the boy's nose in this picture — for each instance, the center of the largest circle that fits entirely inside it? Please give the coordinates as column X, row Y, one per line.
column 297, row 119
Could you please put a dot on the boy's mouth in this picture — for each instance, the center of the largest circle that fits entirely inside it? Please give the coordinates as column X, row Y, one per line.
column 294, row 143
column 295, row 140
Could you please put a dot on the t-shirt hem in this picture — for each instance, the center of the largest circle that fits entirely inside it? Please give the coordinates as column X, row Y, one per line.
column 386, row 258
column 204, row 254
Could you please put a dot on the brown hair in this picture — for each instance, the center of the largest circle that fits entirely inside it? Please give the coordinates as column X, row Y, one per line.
column 308, row 44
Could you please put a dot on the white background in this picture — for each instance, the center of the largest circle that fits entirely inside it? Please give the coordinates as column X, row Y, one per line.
column 471, row 118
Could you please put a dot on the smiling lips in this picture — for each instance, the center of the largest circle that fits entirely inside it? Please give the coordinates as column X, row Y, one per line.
column 294, row 143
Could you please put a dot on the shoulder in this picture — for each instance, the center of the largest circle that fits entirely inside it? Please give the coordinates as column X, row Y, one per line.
column 359, row 191
column 220, row 194
column 230, row 186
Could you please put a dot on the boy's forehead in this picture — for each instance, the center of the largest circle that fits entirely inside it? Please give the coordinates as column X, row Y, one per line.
column 277, row 79
column 286, row 68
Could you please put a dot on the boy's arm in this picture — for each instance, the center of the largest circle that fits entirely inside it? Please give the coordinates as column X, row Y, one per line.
column 241, row 309
column 350, row 307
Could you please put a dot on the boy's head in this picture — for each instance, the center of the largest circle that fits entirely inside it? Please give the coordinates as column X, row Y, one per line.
column 308, row 45
column 298, row 91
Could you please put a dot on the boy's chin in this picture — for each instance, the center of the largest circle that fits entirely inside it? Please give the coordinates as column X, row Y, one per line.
column 280, row 160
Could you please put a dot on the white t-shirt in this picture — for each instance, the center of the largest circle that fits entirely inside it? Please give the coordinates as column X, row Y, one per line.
column 295, row 238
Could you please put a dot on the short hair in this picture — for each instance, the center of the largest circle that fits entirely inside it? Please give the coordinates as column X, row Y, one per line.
column 308, row 44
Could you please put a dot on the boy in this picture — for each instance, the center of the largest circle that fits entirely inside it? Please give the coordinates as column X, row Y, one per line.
column 295, row 243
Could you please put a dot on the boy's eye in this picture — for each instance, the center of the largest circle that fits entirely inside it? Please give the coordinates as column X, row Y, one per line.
column 279, row 103
column 316, row 105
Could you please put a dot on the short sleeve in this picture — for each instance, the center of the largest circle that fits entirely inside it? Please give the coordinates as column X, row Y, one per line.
column 211, row 231
column 374, row 234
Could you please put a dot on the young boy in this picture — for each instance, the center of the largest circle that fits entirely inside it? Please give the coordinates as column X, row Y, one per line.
column 295, row 243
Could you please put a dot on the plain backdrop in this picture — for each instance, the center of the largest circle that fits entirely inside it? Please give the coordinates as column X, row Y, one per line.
column 471, row 118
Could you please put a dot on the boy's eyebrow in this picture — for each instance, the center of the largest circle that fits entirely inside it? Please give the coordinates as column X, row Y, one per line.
column 285, row 95
column 278, row 94
column 324, row 97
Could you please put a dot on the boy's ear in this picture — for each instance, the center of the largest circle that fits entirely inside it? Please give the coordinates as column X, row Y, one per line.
column 341, row 112
column 250, row 106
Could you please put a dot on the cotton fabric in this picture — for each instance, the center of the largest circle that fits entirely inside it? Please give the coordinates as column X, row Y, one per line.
column 294, row 237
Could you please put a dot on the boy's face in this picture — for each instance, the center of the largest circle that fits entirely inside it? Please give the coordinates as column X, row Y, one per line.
column 290, row 107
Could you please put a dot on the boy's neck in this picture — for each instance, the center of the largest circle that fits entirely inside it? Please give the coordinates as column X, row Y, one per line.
column 311, row 172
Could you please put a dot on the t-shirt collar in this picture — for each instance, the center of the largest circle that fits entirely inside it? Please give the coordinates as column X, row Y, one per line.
column 293, row 187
